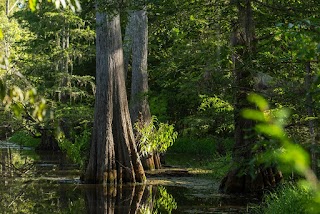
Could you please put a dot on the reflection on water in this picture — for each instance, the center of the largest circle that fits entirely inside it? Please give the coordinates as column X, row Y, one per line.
column 128, row 199
column 33, row 182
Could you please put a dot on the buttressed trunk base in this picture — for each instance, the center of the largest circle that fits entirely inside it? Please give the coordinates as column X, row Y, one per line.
column 113, row 156
column 237, row 182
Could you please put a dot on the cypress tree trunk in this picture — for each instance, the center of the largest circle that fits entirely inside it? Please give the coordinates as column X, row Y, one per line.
column 137, row 42
column 310, row 112
column 240, row 179
column 139, row 106
column 113, row 156
column 127, row 42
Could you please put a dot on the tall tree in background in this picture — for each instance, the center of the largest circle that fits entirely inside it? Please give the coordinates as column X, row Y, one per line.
column 240, row 179
column 113, row 155
column 312, row 123
column 139, row 81
column 137, row 47
column 136, row 42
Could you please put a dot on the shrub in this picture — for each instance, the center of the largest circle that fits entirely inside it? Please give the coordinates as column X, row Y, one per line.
column 214, row 116
column 24, row 139
column 202, row 146
column 76, row 151
column 155, row 137
column 287, row 199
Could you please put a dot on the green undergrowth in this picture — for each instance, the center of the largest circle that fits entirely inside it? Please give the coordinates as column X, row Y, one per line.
column 77, row 151
column 24, row 139
column 286, row 199
column 201, row 146
column 214, row 166
column 206, row 157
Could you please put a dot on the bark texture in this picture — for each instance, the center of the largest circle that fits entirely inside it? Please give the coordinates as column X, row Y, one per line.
column 127, row 42
column 242, row 178
column 137, row 42
column 113, row 156
column 139, row 106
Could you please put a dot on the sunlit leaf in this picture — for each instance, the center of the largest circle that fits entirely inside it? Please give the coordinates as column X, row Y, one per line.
column 31, row 95
column 40, row 110
column 304, row 185
column 1, row 35
column 76, row 5
column 155, row 136
column 17, row 109
column 252, row 114
column 296, row 156
column 63, row 3
column 271, row 130
column 259, row 101
column 33, row 4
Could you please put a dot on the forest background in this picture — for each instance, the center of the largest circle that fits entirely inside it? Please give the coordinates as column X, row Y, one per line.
column 191, row 67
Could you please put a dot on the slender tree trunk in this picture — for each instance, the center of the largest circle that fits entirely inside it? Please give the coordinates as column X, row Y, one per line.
column 139, row 105
column 137, row 42
column 6, row 43
column 7, row 7
column 48, row 141
column 239, row 179
column 127, row 46
column 58, row 45
column 113, row 155
column 310, row 112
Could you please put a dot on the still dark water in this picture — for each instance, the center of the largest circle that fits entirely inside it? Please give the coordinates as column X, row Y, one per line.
column 46, row 183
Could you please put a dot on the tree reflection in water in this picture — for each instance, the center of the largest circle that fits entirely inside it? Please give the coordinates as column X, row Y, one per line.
column 129, row 199
column 30, row 183
column 33, row 182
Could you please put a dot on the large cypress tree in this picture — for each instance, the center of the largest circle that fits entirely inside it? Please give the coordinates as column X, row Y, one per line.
column 243, row 177
column 113, row 155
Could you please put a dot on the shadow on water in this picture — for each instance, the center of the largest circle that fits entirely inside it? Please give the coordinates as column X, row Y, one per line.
column 33, row 182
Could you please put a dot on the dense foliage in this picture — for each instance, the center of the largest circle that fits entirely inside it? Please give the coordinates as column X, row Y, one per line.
column 47, row 77
column 287, row 199
column 155, row 137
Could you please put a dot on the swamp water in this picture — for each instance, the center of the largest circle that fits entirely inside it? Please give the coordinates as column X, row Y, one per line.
column 47, row 183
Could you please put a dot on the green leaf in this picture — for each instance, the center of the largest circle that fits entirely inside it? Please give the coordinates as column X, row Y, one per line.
column 17, row 109
column 1, row 34
column 296, row 156
column 271, row 130
column 252, row 114
column 259, row 101
column 33, row 5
